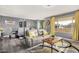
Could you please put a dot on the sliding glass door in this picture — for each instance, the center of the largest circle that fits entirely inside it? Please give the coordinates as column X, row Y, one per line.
column 64, row 27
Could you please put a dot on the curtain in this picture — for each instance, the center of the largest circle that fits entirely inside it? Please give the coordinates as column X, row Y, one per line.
column 76, row 26
column 52, row 26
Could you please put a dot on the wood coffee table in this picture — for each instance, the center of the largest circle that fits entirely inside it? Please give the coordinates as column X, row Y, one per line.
column 50, row 41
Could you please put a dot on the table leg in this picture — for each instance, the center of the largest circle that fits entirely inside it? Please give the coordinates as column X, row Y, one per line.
column 62, row 42
column 32, row 42
column 51, row 48
column 43, row 44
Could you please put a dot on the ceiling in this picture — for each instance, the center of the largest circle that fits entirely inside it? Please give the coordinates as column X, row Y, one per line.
column 35, row 12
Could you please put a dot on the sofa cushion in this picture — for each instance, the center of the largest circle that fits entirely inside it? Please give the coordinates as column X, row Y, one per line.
column 33, row 33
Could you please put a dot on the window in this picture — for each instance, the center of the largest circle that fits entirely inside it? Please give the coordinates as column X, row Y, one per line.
column 64, row 26
column 20, row 24
column 24, row 23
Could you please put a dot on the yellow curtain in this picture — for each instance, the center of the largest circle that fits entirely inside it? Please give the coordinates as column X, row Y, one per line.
column 76, row 26
column 52, row 25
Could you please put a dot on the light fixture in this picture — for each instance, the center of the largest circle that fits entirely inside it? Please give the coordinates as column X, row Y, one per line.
column 48, row 6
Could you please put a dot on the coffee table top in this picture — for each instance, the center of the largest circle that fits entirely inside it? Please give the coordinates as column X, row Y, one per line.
column 51, row 40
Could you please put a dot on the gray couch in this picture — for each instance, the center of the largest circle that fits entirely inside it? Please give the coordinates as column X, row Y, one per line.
column 35, row 40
